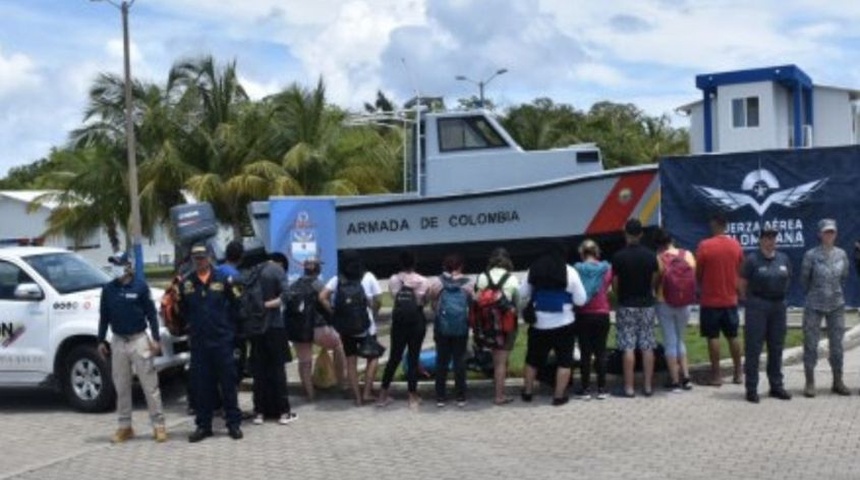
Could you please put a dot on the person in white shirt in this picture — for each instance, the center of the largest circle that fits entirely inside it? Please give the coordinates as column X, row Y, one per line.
column 553, row 287
column 351, row 270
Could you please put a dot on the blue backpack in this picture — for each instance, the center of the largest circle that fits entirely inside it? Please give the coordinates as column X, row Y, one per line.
column 452, row 316
column 592, row 275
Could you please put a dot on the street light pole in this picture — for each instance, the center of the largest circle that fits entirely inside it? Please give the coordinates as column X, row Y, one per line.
column 482, row 83
column 133, row 192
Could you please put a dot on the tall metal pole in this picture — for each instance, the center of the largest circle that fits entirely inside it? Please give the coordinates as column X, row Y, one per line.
column 132, row 157
column 481, row 91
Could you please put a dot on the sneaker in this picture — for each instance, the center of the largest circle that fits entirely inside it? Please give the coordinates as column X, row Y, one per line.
column 752, row 397
column 461, row 402
column 159, row 433
column 557, row 402
column 258, row 419
column 602, row 394
column 440, row 402
column 686, row 383
column 584, row 394
column 288, row 418
column 674, row 387
column 122, row 434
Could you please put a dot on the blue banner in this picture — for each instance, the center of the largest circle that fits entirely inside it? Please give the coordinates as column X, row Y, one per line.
column 790, row 190
column 301, row 228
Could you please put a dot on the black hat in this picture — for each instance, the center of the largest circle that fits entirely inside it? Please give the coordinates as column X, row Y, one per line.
column 769, row 231
column 633, row 227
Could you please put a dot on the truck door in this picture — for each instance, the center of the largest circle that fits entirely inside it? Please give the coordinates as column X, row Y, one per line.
column 24, row 327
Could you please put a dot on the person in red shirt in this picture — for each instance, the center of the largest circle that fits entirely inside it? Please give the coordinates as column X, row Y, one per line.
column 719, row 260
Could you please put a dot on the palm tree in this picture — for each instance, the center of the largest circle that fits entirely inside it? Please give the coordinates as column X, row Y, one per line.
column 93, row 194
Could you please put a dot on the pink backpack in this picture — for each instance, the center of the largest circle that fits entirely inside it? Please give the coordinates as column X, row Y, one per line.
column 679, row 280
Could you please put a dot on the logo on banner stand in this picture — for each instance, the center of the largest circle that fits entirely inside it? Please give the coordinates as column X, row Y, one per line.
column 761, row 190
column 303, row 241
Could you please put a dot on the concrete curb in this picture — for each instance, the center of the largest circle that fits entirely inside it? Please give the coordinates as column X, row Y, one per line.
column 699, row 373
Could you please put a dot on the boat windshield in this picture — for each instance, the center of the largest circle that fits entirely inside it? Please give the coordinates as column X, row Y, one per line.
column 67, row 272
column 468, row 133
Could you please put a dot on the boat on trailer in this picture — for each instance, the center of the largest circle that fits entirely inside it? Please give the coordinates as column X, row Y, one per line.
column 472, row 188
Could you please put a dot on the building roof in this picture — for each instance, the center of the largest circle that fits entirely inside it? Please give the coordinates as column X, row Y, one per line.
column 782, row 74
column 28, row 196
column 853, row 96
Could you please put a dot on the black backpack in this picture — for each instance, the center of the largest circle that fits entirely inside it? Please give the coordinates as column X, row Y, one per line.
column 350, row 308
column 252, row 313
column 406, row 310
column 300, row 310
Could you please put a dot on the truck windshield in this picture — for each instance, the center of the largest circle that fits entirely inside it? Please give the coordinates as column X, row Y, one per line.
column 67, row 272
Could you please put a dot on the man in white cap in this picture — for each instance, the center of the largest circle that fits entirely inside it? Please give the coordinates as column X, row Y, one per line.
column 126, row 307
column 823, row 274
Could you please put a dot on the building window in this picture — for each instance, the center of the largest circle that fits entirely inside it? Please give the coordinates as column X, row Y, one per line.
column 745, row 112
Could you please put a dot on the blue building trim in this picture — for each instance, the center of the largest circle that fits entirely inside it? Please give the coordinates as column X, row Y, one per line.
column 789, row 76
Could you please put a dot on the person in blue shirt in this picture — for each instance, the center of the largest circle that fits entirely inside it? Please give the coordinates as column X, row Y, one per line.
column 207, row 299
column 126, row 307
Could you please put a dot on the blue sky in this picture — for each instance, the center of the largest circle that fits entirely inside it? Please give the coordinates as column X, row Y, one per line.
column 575, row 51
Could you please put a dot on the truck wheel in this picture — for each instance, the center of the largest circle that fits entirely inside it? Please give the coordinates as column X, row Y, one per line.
column 86, row 380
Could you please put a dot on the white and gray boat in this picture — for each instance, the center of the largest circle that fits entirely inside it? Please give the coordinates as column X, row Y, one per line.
column 472, row 188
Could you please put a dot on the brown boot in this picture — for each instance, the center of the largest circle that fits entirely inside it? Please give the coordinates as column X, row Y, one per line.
column 122, row 434
column 839, row 387
column 809, row 389
column 159, row 434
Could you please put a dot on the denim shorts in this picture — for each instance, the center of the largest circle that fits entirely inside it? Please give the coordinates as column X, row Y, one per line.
column 714, row 320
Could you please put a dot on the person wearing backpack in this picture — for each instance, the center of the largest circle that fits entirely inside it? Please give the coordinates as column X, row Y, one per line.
column 676, row 291
column 408, row 327
column 269, row 344
column 307, row 326
column 499, row 276
column 553, row 287
column 592, row 319
column 352, row 300
column 450, row 295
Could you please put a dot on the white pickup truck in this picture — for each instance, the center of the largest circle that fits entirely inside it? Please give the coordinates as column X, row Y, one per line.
column 49, row 314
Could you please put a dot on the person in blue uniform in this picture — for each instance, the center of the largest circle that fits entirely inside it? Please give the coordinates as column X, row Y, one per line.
column 207, row 299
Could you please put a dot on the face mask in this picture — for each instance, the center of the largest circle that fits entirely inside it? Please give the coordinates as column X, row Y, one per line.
column 117, row 271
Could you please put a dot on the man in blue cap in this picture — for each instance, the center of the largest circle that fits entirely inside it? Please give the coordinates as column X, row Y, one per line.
column 207, row 299
column 126, row 307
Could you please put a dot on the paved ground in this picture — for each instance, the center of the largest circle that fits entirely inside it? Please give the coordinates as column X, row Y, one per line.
column 706, row 433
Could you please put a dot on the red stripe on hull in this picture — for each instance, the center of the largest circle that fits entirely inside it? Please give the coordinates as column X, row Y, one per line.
column 620, row 203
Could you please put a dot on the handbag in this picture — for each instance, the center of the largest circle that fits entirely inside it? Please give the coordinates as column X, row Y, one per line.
column 529, row 314
column 370, row 347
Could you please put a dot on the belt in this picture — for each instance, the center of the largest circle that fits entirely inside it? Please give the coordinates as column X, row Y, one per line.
column 130, row 337
column 770, row 298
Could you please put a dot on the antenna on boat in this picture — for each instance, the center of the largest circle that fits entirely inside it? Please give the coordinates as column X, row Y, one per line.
column 418, row 173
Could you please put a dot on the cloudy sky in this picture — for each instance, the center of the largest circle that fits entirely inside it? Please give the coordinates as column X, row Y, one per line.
column 575, row 51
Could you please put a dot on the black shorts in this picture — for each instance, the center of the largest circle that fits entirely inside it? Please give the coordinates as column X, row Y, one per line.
column 712, row 321
column 351, row 345
column 560, row 340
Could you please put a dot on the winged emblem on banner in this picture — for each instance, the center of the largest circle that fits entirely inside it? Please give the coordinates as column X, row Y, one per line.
column 788, row 197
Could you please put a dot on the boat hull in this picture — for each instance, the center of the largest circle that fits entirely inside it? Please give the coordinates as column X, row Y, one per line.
column 472, row 224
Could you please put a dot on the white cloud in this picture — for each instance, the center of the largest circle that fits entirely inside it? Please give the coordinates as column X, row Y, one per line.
column 17, row 72
column 574, row 51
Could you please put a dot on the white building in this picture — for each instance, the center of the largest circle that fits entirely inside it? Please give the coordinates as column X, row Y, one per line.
column 20, row 226
column 770, row 108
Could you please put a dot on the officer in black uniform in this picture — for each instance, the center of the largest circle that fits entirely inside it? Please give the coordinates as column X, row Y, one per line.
column 207, row 299
column 764, row 284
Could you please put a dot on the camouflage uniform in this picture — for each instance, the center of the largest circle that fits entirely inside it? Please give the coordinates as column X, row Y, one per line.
column 823, row 275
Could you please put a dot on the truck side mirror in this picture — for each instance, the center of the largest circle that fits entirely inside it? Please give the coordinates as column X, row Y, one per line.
column 29, row 291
